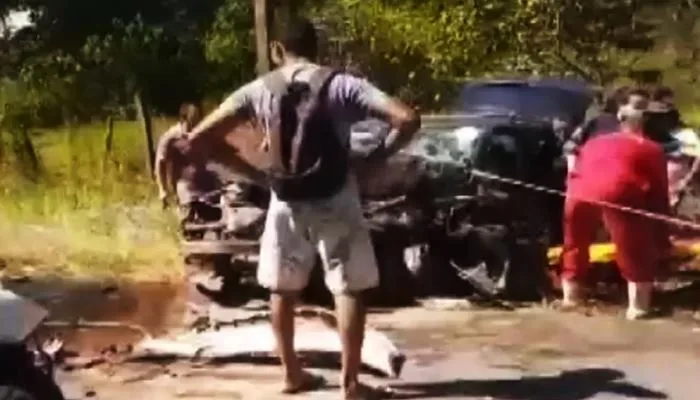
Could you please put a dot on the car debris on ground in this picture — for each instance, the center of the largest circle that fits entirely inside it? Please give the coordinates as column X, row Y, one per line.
column 252, row 337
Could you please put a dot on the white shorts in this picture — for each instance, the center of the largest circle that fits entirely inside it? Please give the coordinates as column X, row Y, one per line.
column 332, row 228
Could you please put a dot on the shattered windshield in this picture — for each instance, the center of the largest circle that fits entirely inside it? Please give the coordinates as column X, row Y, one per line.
column 451, row 146
column 436, row 143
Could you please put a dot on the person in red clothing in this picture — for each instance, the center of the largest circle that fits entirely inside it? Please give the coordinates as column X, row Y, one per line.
column 628, row 169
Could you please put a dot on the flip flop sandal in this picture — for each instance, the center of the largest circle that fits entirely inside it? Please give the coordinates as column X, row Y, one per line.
column 309, row 383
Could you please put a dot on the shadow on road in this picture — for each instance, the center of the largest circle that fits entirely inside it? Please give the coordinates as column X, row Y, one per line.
column 569, row 385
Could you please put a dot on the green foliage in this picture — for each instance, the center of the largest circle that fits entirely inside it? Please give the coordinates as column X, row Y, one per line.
column 593, row 39
column 86, row 55
column 83, row 60
column 81, row 219
column 677, row 51
column 418, row 48
column 86, row 59
column 230, row 46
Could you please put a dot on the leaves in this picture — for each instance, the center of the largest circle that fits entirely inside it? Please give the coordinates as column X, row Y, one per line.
column 86, row 57
column 229, row 43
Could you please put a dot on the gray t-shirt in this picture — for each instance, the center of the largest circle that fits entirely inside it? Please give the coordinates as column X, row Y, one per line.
column 351, row 99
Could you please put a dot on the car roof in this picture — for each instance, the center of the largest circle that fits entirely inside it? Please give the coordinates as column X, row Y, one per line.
column 564, row 98
column 569, row 84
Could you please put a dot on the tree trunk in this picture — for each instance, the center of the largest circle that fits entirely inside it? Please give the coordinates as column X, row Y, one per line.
column 144, row 116
column 263, row 19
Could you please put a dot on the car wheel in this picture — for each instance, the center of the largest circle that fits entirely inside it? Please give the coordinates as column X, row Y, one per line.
column 14, row 393
column 396, row 283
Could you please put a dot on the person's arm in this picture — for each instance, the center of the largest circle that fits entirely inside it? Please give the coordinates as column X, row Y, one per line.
column 161, row 166
column 237, row 104
column 239, row 107
column 572, row 145
column 689, row 147
column 162, row 178
column 685, row 182
column 368, row 101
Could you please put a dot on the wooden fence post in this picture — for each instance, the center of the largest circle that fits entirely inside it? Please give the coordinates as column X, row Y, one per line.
column 109, row 139
column 144, row 116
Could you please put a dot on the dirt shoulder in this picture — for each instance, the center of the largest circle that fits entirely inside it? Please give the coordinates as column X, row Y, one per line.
column 473, row 354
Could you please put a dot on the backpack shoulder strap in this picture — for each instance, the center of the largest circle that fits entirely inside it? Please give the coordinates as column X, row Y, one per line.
column 321, row 78
column 276, row 83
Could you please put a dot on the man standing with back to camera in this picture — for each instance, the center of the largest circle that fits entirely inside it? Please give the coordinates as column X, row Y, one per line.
column 325, row 218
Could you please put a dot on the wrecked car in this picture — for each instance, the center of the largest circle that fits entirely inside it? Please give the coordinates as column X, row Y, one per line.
column 26, row 371
column 438, row 224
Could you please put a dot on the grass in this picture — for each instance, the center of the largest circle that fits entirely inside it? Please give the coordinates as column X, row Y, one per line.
column 84, row 217
column 691, row 115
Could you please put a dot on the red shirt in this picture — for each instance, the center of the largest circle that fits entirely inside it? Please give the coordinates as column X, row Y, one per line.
column 622, row 168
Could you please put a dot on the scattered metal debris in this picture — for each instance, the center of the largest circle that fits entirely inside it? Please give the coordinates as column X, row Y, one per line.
column 83, row 324
column 447, row 304
column 252, row 336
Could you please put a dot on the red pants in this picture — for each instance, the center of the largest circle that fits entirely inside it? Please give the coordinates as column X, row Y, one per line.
column 637, row 247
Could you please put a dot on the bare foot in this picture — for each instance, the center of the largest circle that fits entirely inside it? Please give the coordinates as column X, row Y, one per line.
column 307, row 382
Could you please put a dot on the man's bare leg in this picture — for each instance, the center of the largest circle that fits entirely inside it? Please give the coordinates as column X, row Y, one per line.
column 350, row 312
column 282, row 307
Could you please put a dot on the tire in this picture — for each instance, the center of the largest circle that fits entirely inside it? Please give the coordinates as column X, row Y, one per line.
column 30, row 385
column 15, row 393
column 396, row 282
column 20, row 379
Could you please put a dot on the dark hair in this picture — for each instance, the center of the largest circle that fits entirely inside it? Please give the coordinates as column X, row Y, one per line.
column 298, row 36
column 612, row 100
column 615, row 98
column 662, row 92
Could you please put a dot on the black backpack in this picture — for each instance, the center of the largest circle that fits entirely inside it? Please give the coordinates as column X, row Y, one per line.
column 308, row 160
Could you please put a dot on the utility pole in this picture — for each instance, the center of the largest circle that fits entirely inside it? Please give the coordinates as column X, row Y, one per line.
column 263, row 22
column 268, row 12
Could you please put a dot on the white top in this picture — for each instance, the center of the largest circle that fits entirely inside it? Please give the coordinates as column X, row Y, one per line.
column 689, row 142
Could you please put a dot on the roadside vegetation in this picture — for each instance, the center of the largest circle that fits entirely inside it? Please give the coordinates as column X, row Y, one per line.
column 77, row 197
column 83, row 210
